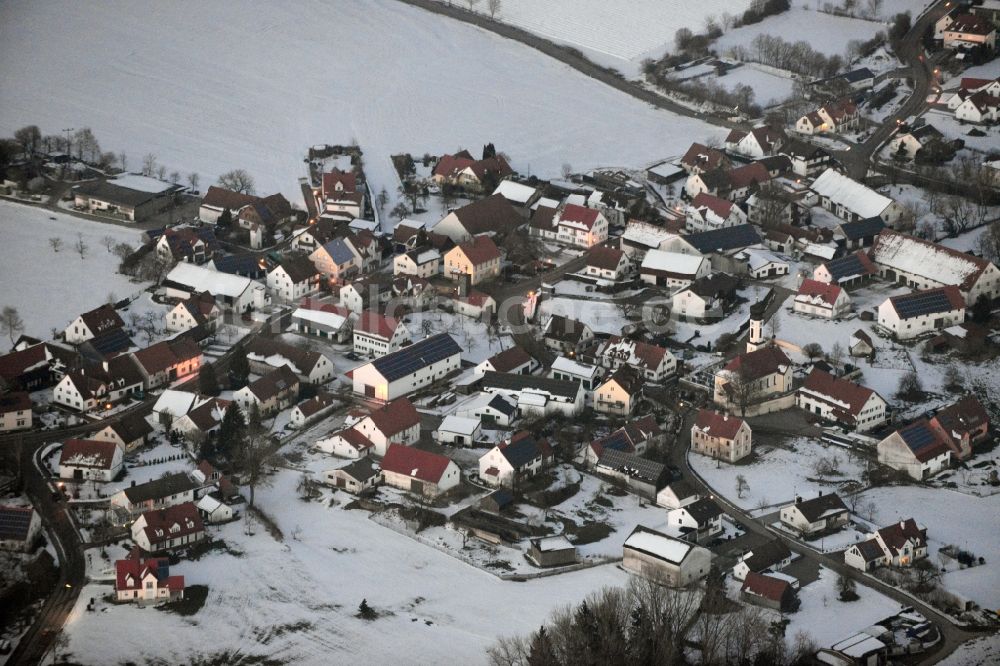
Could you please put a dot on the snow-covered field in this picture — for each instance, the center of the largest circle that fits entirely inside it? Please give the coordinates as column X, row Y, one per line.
column 296, row 601
column 609, row 33
column 50, row 289
column 378, row 72
column 825, row 33
column 769, row 88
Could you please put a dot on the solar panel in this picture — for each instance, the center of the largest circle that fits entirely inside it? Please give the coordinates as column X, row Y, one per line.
column 726, row 238
column 918, row 436
column 848, row 266
column 922, row 303
column 113, row 341
column 416, row 356
column 14, row 523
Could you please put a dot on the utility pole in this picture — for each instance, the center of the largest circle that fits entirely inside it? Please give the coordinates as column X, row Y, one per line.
column 69, row 149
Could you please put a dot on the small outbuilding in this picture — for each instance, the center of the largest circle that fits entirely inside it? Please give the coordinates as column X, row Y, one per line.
column 552, row 551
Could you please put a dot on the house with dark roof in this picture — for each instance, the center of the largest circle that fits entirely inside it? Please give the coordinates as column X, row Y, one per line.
column 819, row 515
column 131, row 196
column 294, row 278
column 634, row 437
column 19, row 528
column 642, row 476
column 727, row 240
column 163, row 492
column 903, row 542
column 698, row 522
column 864, row 555
column 721, row 436
column 919, row 449
column 312, row 409
column 619, row 393
column 964, row 424
column 276, row 390
column 841, row 401
column 478, row 258
column 170, row 528
column 127, row 433
column 566, row 335
column 90, row 460
column 356, row 477
column 537, row 395
column 849, row 271
column 167, row 361
column 921, row 312
column 700, row 158
column 15, row 411
column 267, row 354
column 513, row 361
column 396, row 422
column 519, row 458
column 197, row 310
column 192, row 244
column 776, row 593
column 706, row 299
column 492, row 215
column 348, row 443
column 676, row 494
column 651, row 362
column 769, row 556
column 26, row 369
column 219, row 199
column 411, row 368
column 337, row 260
column 419, row 472
column 756, row 143
column 753, row 377
column 90, row 324
column 808, row 160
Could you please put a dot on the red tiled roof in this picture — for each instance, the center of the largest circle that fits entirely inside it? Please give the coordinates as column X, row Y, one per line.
column 604, row 257
column 185, row 516
column 965, row 416
column 576, row 214
column 719, row 206
column 828, row 293
column 16, row 363
column 703, row 157
column 480, row 250
column 715, row 424
column 88, row 453
column 15, row 402
column 765, row 586
column 839, row 390
column 509, row 359
column 102, row 319
column 743, row 176
column 345, row 178
column 650, row 355
column 375, row 324
column 355, row 438
column 415, row 463
column 970, row 83
column 896, row 535
column 220, row 197
column 760, row 363
column 273, row 383
column 970, row 23
column 136, row 569
column 395, row 417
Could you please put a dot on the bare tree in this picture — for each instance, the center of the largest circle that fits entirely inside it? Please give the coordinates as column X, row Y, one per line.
column 175, row 177
column 836, row 354
column 743, row 388
column 813, row 350
column 256, row 453
column 123, row 160
column 567, row 170
column 55, row 243
column 472, row 4
column 29, row 138
column 11, row 322
column 161, row 172
column 238, row 180
column 494, row 7
column 742, row 486
column 193, row 180
column 148, row 164
column 870, row 510
column 122, row 250
column 400, row 211
column 80, row 246
column 108, row 242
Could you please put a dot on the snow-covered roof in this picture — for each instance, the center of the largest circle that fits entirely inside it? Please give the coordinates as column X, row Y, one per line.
column 666, row 170
column 821, row 251
column 548, row 544
column 199, row 279
column 208, row 503
column 331, row 319
column 532, row 399
column 571, row 367
column 458, row 424
column 658, row 545
column 850, row 194
column 546, row 202
column 647, row 234
column 364, row 225
column 576, row 200
column 672, row 262
column 757, row 259
column 516, row 192
column 135, row 181
column 177, row 403
column 936, row 262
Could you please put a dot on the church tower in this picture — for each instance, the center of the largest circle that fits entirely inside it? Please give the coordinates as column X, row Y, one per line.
column 756, row 339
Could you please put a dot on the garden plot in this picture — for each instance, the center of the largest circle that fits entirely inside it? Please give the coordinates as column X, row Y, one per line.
column 970, row 523
column 778, row 474
column 601, row 317
column 431, row 603
column 50, row 289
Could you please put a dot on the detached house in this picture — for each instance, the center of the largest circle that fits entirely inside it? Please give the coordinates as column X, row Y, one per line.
column 419, row 472
column 171, row 528
column 776, row 593
column 822, row 300
column 267, row 354
column 271, row 393
column 770, row 556
column 842, row 116
column 27, row 368
column 189, row 244
column 520, row 458
column 700, row 158
column 964, row 424
column 378, row 335
column 348, row 443
column 81, row 391
column 312, row 409
column 757, row 143
column 514, row 361
column 397, row 422
column 650, row 361
column 699, row 522
column 721, row 436
column 619, row 393
column 420, row 263
column 159, row 493
column 851, row 201
column 493, row 215
column 849, row 271
column 821, row 514
column 478, row 258
column 295, row 277
column 918, row 449
column 707, row 212
column 199, row 309
column 580, row 226
column 89, row 325
column 607, row 263
column 969, row 30
column 88, row 460
column 900, row 545
column 705, row 299
column 336, row 260
column 462, row 170
column 147, row 581
column 355, row 477
column 980, row 107
column 127, row 433
column 411, row 368
column 841, row 401
column 566, row 335
column 912, row 315
column 15, row 411
column 168, row 361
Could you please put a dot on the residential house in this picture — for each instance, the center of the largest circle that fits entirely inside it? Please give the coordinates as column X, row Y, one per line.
column 642, row 476
column 821, row 514
column 514, row 361
column 921, row 264
column 711, row 212
column 566, row 335
column 312, row 409
column 172, row 404
column 292, row 279
column 15, row 411
column 369, row 293
column 128, row 432
column 377, row 335
column 808, row 160
column 336, row 260
column 634, row 437
column 964, row 425
column 511, row 463
column 491, row 409
column 907, row 144
column 652, row 362
column 700, row 158
column 160, row 493
column 751, row 377
column 219, row 199
column 419, row 472
column 411, row 368
column 705, row 299
column 537, row 395
column 969, row 31
column 81, row 391
column 676, row 494
column 203, row 421
column 919, row 449
column 589, row 376
column 267, row 354
column 673, row 269
column 93, row 323
column 580, row 226
column 168, row 361
column 238, row 294
column 474, row 304
column 459, row 431
column 822, row 299
column 980, row 107
column 698, row 522
column 769, row 591
column 721, row 436
column 841, row 401
column 899, row 545
column 619, row 394
column 420, row 263
column 19, row 528
column 462, row 170
column 196, row 310
column 147, row 581
column 912, row 315
column 194, row 245
column 170, row 528
column 356, row 477
column 492, row 215
column 849, row 271
column 838, row 117
column 851, row 201
column 276, row 390
column 89, row 460
column 396, row 422
column 769, row 556
column 348, row 443
column 606, row 263
column 27, row 369
column 664, row 559
column 756, row 143
column 479, row 258
column 342, row 198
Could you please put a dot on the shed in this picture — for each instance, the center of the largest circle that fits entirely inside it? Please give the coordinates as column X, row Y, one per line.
column 552, row 551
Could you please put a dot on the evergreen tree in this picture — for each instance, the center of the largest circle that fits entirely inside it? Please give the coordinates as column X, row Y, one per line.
column 207, row 449
column 489, row 150
column 366, row 612
column 231, row 432
column 208, row 383
column 541, row 652
column 981, row 309
column 239, row 368
column 226, row 219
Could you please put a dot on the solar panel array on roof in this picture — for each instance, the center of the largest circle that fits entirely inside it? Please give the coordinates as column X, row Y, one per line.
column 727, row 238
column 868, row 227
column 845, row 267
column 112, row 342
column 14, row 523
column 918, row 436
column 921, row 303
column 416, row 356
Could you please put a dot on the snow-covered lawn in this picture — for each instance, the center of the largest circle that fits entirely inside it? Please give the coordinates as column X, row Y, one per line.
column 50, row 289
column 825, row 33
column 769, row 88
column 472, row 335
column 601, row 317
column 459, row 86
column 951, row 128
column 296, row 601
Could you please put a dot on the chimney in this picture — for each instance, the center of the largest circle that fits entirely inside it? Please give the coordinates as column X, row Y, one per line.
column 133, row 483
column 798, row 500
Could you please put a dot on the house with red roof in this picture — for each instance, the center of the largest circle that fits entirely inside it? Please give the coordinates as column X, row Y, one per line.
column 820, row 299
column 841, row 401
column 128, row 432
column 478, row 258
column 167, row 361
column 514, row 361
column 198, row 309
column 89, row 325
column 580, row 226
column 912, row 315
column 979, row 107
column 964, row 424
column 396, row 422
column 756, row 143
column 271, row 393
column 700, row 158
column 474, row 304
column 145, row 581
column 903, row 543
column 26, row 369
column 721, row 436
column 608, row 263
column 377, row 335
column 348, row 443
column 169, row 528
column 652, row 362
column 462, row 170
column 418, row 471
column 15, row 411
column 90, row 460
column 707, row 212
column 918, row 449
column 770, row 591
column 969, row 30
column 492, row 215
column 341, row 196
